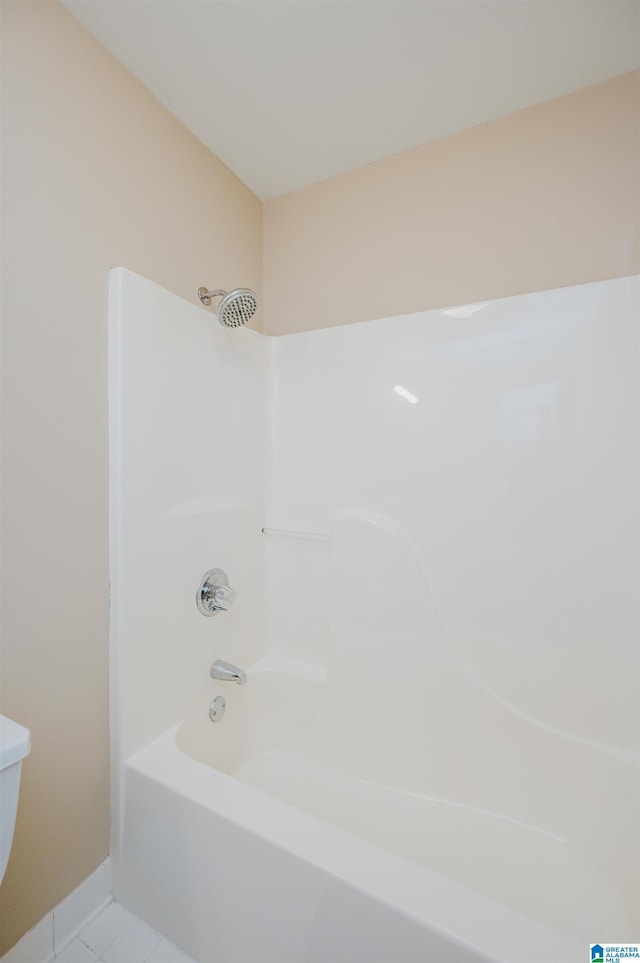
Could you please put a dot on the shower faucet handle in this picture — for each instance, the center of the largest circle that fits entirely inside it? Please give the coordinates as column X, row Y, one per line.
column 223, row 596
column 214, row 593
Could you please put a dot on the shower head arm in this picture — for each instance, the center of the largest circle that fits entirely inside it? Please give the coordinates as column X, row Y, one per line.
column 205, row 295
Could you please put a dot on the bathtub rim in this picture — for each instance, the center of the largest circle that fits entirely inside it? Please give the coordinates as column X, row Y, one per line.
column 464, row 916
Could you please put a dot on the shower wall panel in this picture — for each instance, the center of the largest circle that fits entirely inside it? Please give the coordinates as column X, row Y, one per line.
column 187, row 455
column 474, row 612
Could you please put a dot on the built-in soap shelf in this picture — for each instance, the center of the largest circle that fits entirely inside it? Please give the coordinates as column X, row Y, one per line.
column 290, row 533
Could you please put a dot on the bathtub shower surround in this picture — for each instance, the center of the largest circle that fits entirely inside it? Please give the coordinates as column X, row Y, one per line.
column 431, row 522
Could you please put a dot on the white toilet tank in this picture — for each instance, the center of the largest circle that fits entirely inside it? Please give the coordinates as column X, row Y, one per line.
column 15, row 743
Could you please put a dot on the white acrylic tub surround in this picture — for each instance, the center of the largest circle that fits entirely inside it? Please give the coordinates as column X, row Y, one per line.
column 15, row 745
column 430, row 668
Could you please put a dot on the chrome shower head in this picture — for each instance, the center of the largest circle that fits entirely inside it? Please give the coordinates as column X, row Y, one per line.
column 236, row 308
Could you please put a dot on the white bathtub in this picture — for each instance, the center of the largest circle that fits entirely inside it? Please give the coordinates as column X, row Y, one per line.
column 243, row 847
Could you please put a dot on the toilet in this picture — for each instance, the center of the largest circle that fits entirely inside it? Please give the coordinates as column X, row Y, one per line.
column 15, row 743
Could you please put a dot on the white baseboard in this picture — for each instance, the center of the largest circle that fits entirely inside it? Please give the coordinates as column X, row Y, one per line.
column 57, row 929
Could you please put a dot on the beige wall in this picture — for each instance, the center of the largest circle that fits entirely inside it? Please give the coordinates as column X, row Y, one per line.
column 95, row 174
column 541, row 199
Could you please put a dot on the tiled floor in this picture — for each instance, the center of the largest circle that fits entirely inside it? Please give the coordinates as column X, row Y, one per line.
column 116, row 936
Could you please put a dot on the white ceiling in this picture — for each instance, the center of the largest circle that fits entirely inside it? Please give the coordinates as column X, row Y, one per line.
column 288, row 92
